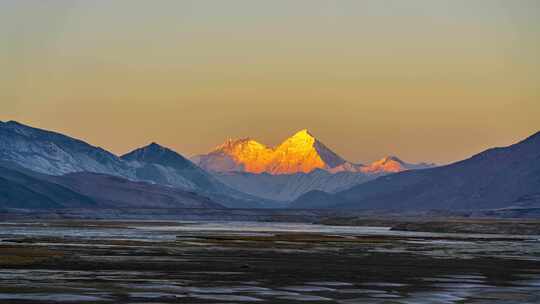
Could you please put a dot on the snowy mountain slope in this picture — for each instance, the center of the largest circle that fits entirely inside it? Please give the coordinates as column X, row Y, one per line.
column 56, row 154
column 302, row 153
column 240, row 155
column 385, row 165
column 287, row 187
column 164, row 166
column 300, row 164
column 53, row 153
column 299, row 153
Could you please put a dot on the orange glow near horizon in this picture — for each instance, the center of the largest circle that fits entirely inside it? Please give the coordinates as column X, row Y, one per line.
column 426, row 80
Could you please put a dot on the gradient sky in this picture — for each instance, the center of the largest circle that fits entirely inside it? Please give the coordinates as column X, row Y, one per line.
column 425, row 80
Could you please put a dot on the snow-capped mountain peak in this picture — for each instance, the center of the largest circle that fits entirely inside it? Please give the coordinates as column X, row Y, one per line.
column 242, row 145
column 157, row 154
column 386, row 164
column 302, row 135
column 301, row 152
column 54, row 153
column 392, row 164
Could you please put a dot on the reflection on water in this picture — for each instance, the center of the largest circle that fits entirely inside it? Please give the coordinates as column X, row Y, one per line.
column 186, row 242
column 73, row 286
column 246, row 227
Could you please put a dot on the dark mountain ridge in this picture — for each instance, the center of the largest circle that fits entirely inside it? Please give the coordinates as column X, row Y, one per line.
column 495, row 178
column 22, row 188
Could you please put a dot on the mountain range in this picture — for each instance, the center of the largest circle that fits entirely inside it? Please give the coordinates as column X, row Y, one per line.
column 301, row 163
column 44, row 169
column 496, row 178
column 300, row 153
column 56, row 154
column 23, row 188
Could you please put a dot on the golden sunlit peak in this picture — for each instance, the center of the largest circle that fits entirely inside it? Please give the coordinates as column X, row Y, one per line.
column 303, row 133
column 390, row 158
column 299, row 153
column 386, row 164
column 241, row 143
column 301, row 140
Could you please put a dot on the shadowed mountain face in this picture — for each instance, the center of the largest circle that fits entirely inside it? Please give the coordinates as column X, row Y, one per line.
column 22, row 188
column 287, row 187
column 496, row 178
column 162, row 165
column 115, row 192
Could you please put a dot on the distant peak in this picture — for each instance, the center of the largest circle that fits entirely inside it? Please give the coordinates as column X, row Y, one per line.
column 391, row 158
column 303, row 133
column 15, row 123
column 157, row 154
column 154, row 145
column 532, row 138
column 240, row 140
column 151, row 149
column 299, row 153
column 301, row 140
column 21, row 128
column 240, row 143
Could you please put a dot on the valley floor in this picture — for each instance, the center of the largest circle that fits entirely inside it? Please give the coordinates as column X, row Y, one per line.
column 66, row 261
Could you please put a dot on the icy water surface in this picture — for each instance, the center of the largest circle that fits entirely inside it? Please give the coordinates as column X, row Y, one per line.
column 243, row 262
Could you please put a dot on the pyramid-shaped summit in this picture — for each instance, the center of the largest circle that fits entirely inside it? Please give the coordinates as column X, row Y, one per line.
column 301, row 152
column 157, row 154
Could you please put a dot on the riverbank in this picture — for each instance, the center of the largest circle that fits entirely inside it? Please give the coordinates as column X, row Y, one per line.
column 232, row 262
